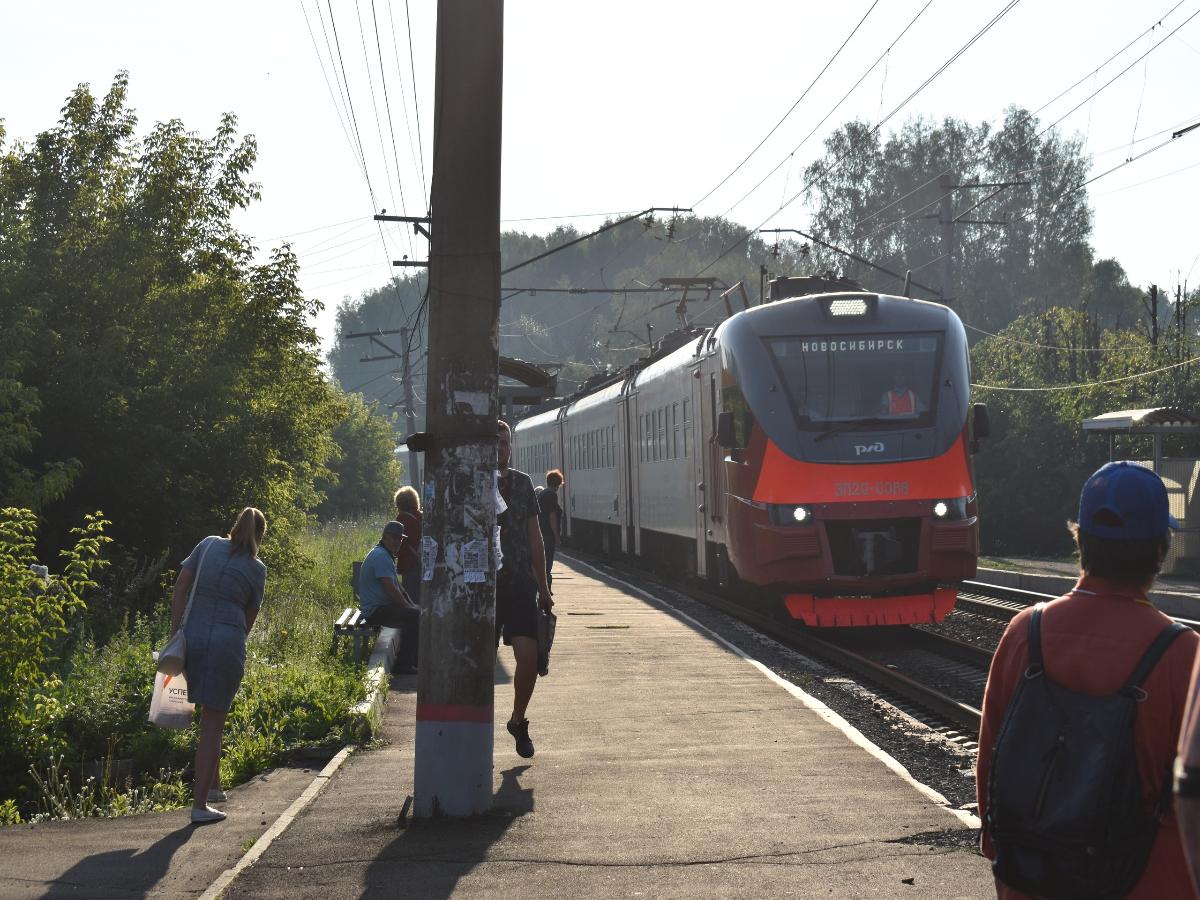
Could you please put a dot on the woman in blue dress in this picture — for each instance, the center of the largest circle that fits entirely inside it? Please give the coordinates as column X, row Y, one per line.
column 230, row 580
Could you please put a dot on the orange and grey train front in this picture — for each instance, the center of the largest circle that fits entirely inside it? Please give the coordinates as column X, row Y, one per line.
column 847, row 427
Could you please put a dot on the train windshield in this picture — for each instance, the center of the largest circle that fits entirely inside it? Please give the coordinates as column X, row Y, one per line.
column 887, row 380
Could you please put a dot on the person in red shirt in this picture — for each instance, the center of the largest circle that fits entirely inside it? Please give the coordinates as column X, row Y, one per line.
column 1093, row 637
column 408, row 559
column 1187, row 780
column 899, row 401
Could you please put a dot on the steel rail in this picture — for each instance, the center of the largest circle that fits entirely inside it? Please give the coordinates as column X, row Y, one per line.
column 805, row 641
column 1001, row 602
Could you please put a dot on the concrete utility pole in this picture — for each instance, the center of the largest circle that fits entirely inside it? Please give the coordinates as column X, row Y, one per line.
column 453, row 773
column 948, row 184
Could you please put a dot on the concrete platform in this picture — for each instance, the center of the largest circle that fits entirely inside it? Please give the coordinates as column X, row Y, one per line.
column 667, row 766
column 1174, row 596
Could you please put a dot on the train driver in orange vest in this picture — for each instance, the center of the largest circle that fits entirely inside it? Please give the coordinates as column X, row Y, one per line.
column 899, row 401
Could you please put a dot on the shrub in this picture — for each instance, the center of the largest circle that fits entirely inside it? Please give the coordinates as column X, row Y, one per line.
column 35, row 612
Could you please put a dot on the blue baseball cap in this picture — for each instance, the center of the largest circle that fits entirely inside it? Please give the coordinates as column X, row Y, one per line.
column 1125, row 502
column 394, row 528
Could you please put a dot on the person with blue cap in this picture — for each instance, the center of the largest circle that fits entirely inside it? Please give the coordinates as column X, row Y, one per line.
column 1102, row 649
column 384, row 602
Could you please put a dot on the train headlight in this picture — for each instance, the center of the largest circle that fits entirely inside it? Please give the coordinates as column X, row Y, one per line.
column 949, row 510
column 789, row 514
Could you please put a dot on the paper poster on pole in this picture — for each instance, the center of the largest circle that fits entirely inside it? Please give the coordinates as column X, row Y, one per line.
column 429, row 549
column 474, row 561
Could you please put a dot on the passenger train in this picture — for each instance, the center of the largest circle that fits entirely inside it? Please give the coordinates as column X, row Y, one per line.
column 814, row 451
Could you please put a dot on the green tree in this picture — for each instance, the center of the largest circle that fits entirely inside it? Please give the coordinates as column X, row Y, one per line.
column 365, row 473
column 161, row 374
column 1064, row 369
column 880, row 198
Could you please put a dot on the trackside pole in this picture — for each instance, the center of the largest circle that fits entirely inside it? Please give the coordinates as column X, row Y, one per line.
column 453, row 771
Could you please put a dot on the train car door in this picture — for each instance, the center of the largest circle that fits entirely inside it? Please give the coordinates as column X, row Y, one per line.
column 560, row 441
column 693, row 425
column 714, row 455
column 624, row 474
column 636, row 454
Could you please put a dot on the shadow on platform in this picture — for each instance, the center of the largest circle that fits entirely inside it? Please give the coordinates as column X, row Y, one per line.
column 430, row 857
column 121, row 873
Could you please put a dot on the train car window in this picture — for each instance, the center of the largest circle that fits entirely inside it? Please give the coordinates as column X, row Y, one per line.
column 734, row 401
column 662, row 432
column 846, row 378
column 674, row 431
column 612, row 446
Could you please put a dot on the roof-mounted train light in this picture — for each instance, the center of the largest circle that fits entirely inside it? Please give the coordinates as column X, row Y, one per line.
column 849, row 305
column 853, row 307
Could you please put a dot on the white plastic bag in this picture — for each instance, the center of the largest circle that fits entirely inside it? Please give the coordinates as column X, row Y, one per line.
column 169, row 707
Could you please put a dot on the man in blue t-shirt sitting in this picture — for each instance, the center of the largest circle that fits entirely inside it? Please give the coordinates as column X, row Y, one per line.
column 383, row 601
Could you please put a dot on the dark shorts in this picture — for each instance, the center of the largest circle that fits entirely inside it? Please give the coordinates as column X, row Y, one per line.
column 516, row 607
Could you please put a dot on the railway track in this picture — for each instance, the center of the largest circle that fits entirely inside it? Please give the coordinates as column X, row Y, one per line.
column 1003, row 603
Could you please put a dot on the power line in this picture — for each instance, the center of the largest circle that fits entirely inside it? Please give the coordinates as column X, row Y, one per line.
column 379, row 126
column 1092, row 73
column 854, row 256
column 1035, row 346
column 1118, row 75
column 412, row 151
column 345, row 85
column 792, row 108
column 416, row 102
column 595, row 215
column 278, row 237
column 949, row 62
column 606, row 227
column 941, row 69
column 388, row 107
column 1086, row 384
column 321, row 60
column 1149, row 180
column 831, row 111
column 1039, row 168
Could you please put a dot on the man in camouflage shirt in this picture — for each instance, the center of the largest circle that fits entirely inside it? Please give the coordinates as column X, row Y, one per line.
column 520, row 584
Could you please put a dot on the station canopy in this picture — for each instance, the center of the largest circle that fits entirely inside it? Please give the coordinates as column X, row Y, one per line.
column 1159, row 420
column 1156, row 422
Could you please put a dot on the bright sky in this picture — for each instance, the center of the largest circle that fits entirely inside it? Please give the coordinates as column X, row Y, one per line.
column 622, row 105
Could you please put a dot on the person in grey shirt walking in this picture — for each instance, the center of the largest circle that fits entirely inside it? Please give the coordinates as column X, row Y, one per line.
column 230, row 581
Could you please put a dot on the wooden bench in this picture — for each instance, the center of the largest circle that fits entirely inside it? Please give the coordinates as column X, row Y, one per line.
column 351, row 624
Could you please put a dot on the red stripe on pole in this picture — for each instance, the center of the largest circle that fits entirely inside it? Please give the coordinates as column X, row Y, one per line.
column 450, row 712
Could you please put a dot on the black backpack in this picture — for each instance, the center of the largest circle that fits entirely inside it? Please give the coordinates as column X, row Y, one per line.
column 1065, row 812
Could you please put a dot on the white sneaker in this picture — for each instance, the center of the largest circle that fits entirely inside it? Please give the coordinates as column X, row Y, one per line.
column 206, row 815
column 217, row 796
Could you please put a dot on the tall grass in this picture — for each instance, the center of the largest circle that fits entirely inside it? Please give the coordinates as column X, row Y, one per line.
column 295, row 696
